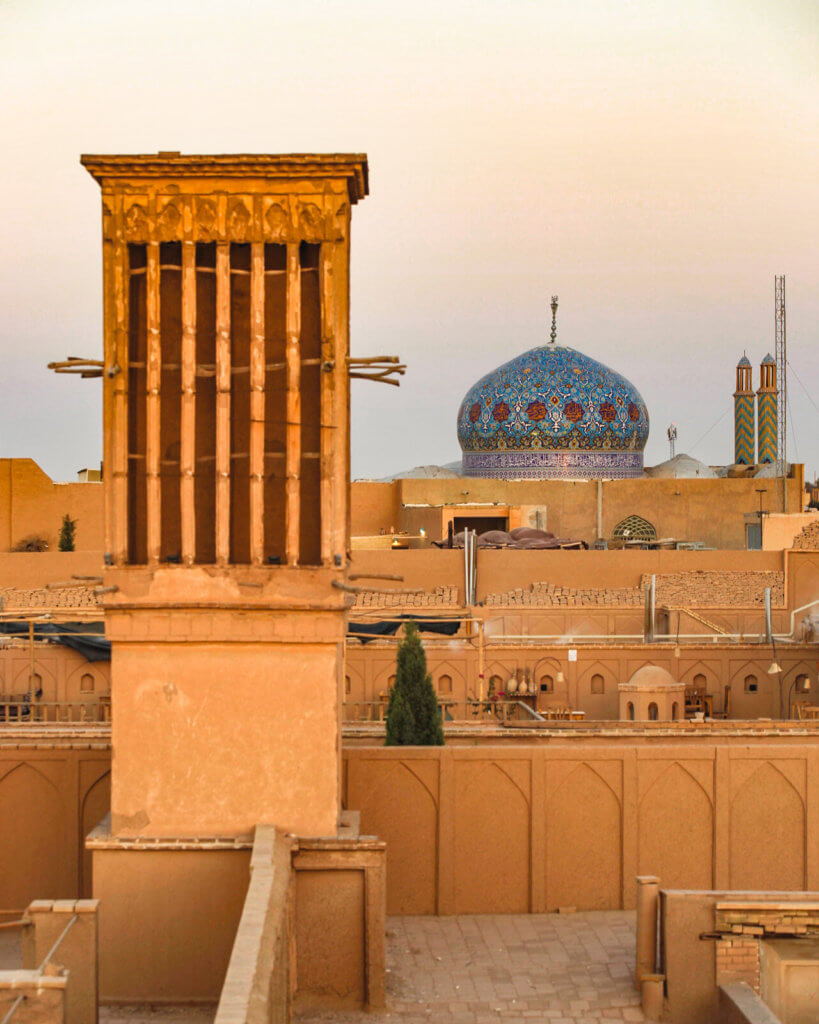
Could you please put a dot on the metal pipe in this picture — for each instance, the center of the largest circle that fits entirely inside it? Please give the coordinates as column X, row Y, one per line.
column 599, row 509
column 466, row 567
column 57, row 944
column 768, row 630
column 12, row 1009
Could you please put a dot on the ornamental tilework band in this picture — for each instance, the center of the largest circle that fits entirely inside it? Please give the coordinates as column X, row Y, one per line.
column 766, row 426
column 553, row 465
column 548, row 402
column 744, row 429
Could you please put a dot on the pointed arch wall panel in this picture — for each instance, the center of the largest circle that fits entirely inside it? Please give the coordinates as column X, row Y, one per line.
column 53, row 796
column 532, row 829
column 489, row 829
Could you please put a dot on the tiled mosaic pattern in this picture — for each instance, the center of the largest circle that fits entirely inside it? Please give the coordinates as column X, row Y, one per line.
column 559, row 413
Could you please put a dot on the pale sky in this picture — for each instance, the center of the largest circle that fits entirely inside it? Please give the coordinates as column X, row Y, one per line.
column 655, row 164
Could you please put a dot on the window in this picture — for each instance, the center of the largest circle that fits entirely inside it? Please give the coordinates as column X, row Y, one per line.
column 391, row 682
column 630, row 710
column 495, row 684
column 634, row 528
column 445, row 684
column 547, row 684
column 699, row 681
column 348, row 686
column 751, row 684
column 674, row 711
column 598, row 684
column 653, row 712
column 802, row 684
column 87, row 683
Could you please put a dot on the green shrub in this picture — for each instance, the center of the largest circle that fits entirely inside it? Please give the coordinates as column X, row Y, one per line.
column 67, row 531
column 413, row 716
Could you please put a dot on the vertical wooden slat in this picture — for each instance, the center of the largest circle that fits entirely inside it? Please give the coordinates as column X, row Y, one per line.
column 187, row 427
column 115, row 455
column 341, row 251
column 293, row 440
column 329, row 527
column 222, row 403
column 257, row 375
column 110, row 253
column 119, row 453
column 152, row 411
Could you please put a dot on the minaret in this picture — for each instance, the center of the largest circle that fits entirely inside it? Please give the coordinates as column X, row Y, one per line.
column 766, row 428
column 744, row 414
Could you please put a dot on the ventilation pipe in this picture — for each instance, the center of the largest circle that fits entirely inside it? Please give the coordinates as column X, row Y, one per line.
column 648, row 618
column 470, row 566
column 599, row 509
column 768, row 629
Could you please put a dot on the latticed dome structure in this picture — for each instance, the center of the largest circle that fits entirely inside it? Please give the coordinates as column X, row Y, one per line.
column 553, row 412
column 634, row 528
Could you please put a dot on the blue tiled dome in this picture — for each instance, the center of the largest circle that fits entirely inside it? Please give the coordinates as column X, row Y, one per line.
column 553, row 412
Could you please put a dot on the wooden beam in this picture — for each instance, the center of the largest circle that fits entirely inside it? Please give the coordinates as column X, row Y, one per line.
column 329, row 531
column 222, row 403
column 187, row 425
column 293, row 436
column 115, row 456
column 153, row 506
column 341, row 313
column 257, row 375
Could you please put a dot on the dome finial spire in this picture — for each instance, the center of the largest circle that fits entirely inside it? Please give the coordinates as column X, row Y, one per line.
column 554, row 320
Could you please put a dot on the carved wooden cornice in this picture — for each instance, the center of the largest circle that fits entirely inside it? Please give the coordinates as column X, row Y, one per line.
column 114, row 170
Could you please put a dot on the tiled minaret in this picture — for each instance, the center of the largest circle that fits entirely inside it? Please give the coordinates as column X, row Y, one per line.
column 766, row 428
column 744, row 414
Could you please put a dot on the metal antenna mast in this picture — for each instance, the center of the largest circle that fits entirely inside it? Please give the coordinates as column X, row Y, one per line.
column 671, row 433
column 781, row 385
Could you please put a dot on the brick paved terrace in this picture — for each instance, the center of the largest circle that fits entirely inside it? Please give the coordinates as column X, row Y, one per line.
column 559, row 968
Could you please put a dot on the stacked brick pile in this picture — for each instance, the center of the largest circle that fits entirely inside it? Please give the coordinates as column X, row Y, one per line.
column 62, row 597
column 547, row 595
column 790, row 917
column 808, row 539
column 718, row 589
column 441, row 597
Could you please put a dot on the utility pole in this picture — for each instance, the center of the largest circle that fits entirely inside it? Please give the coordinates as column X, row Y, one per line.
column 781, row 387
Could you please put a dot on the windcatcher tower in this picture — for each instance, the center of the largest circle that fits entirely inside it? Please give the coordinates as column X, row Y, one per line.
column 226, row 452
column 767, row 411
column 226, row 470
column 744, row 414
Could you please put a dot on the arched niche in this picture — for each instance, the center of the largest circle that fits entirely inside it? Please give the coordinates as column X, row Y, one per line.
column 96, row 804
column 767, row 833
column 47, row 683
column 597, row 692
column 489, row 802
column 397, row 804
column 676, row 831
column 74, row 682
column 634, row 527
column 32, row 854
column 583, row 844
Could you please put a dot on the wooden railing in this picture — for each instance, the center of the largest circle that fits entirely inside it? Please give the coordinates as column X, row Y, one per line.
column 480, row 711
column 39, row 712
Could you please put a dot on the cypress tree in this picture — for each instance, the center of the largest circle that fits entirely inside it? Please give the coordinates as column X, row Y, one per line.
column 413, row 717
column 66, row 541
column 400, row 723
